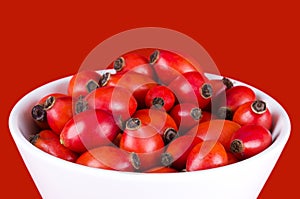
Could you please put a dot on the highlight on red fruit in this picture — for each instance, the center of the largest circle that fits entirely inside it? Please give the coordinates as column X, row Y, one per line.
column 250, row 140
column 206, row 155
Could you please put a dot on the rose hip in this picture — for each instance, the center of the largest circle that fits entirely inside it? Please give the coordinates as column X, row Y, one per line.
column 192, row 87
column 168, row 65
column 48, row 141
column 160, row 97
column 110, row 158
column 250, row 140
column 206, row 155
column 254, row 112
column 235, row 97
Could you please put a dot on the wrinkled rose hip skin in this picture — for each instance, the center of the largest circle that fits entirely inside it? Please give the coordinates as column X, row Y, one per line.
column 89, row 129
column 168, row 65
column 250, row 140
column 254, row 112
column 110, row 158
column 192, row 87
column 206, row 155
column 48, row 141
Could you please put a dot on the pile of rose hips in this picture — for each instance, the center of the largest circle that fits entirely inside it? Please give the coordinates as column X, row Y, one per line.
column 156, row 114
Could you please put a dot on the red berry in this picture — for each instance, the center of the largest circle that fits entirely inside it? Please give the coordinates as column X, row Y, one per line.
column 255, row 112
column 206, row 155
column 168, row 65
column 250, row 140
column 160, row 97
column 235, row 97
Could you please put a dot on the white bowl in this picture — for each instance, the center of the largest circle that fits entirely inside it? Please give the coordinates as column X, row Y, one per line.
column 56, row 178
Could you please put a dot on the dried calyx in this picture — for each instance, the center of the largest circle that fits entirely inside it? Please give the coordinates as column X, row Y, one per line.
column 259, row 106
column 119, row 64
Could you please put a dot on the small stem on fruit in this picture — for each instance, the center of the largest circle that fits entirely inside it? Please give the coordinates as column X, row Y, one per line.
column 158, row 102
column 259, row 106
column 154, row 56
column 135, row 160
column 196, row 113
column 227, row 82
column 206, row 91
column 225, row 113
column 49, row 102
column 169, row 135
column 236, row 146
column 166, row 159
column 119, row 64
column 104, row 80
column 81, row 105
column 91, row 85
column 34, row 138
column 133, row 124
column 38, row 113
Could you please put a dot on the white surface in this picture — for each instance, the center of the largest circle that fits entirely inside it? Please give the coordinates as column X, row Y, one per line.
column 56, row 178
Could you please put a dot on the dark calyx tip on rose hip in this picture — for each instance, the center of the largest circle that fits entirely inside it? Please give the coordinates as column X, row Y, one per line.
column 91, row 85
column 236, row 146
column 158, row 102
column 39, row 113
column 34, row 138
column 259, row 106
column 135, row 160
column 154, row 56
column 133, row 123
column 196, row 113
column 225, row 113
column 227, row 82
column 81, row 105
column 206, row 91
column 50, row 101
column 169, row 135
column 104, row 79
column 166, row 159
column 119, row 64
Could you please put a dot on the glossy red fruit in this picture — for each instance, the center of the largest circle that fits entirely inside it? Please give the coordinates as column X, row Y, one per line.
column 168, row 65
column 110, row 158
column 48, row 141
column 38, row 112
column 187, row 115
column 143, row 140
column 89, row 129
column 161, row 121
column 250, row 140
column 235, row 97
column 83, row 83
column 220, row 85
column 254, row 112
column 231, row 158
column 206, row 155
column 58, row 112
column 116, row 100
column 133, row 62
column 177, row 151
column 220, row 130
column 137, row 84
column 192, row 87
column 160, row 97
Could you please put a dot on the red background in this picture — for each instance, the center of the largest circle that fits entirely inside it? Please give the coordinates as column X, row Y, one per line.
column 256, row 42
